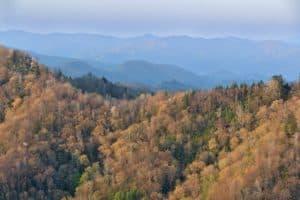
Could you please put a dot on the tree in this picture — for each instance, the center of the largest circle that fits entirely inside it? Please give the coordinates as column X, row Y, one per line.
column 133, row 194
column 278, row 88
column 290, row 126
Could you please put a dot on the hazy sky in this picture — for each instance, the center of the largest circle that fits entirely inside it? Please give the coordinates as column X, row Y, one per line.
column 247, row 18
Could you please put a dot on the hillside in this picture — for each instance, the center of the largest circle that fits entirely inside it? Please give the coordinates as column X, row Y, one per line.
column 239, row 142
column 71, row 66
column 153, row 74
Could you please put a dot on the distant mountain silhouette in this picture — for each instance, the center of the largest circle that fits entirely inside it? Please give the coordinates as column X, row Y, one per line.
column 198, row 58
column 131, row 72
column 146, row 74
column 173, row 85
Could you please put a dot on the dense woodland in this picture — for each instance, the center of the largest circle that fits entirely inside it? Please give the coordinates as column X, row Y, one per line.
column 56, row 142
column 92, row 84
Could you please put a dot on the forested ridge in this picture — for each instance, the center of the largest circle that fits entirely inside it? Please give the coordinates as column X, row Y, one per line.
column 91, row 83
column 56, row 142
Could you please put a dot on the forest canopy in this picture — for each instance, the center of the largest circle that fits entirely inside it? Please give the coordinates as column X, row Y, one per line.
column 56, row 142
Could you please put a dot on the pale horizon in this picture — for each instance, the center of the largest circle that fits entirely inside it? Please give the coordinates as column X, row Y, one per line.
column 269, row 19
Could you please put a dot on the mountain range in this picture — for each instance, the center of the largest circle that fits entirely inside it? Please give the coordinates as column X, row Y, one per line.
column 153, row 60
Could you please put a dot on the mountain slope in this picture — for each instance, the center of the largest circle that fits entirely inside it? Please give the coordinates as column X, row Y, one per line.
column 58, row 143
column 70, row 66
column 153, row 74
